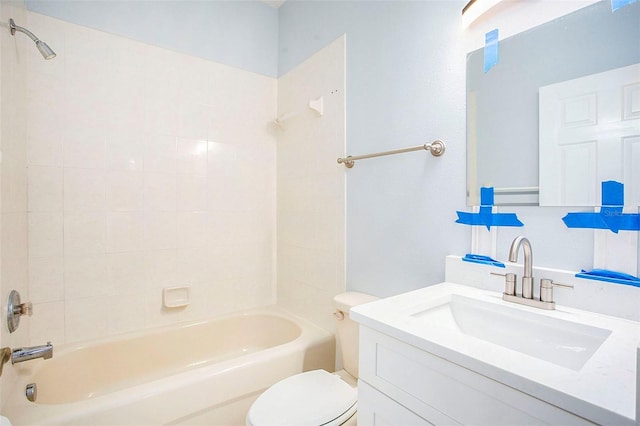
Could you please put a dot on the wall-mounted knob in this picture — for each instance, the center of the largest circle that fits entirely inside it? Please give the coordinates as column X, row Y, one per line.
column 15, row 309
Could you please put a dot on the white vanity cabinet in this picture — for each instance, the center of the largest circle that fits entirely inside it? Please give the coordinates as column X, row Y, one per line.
column 403, row 385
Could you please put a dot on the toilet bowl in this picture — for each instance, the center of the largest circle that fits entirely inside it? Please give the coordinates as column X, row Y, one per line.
column 317, row 397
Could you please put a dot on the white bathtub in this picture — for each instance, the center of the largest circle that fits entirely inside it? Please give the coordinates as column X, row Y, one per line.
column 197, row 373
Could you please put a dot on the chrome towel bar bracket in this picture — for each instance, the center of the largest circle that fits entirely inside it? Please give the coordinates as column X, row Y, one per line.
column 436, row 148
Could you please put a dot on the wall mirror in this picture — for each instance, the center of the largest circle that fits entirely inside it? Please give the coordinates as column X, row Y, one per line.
column 504, row 112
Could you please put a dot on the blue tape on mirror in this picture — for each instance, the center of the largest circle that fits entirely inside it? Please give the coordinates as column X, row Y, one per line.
column 486, row 217
column 617, row 4
column 490, row 49
column 610, row 215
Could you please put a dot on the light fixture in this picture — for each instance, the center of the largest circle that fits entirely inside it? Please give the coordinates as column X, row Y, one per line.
column 476, row 8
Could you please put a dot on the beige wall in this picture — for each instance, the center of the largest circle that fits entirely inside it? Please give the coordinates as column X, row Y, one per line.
column 146, row 169
column 311, row 186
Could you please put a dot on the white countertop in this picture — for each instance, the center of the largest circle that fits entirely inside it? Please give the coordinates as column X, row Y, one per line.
column 604, row 390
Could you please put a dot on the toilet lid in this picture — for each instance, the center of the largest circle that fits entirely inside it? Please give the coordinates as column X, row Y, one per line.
column 313, row 398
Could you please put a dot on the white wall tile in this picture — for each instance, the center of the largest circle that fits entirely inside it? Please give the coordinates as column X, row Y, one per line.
column 122, row 320
column 160, row 191
column 192, row 266
column 85, row 276
column 45, row 129
column 161, row 112
column 46, row 279
column 84, row 145
column 124, row 190
column 48, row 325
column 191, row 192
column 161, row 269
column 160, row 230
column 125, row 231
column 221, row 159
column 84, row 233
column 45, row 189
column 125, row 149
column 44, row 146
column 194, row 120
column 191, row 229
column 45, row 234
column 86, row 319
column 125, row 105
column 84, row 190
column 126, row 273
column 192, row 156
column 160, row 151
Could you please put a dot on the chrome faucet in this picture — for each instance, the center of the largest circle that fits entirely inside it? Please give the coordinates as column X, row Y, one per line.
column 527, row 276
column 32, row 352
column 526, row 297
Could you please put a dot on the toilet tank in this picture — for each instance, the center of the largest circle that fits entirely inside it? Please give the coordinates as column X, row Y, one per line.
column 348, row 329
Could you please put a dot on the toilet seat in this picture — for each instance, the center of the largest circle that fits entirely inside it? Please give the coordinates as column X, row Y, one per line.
column 312, row 398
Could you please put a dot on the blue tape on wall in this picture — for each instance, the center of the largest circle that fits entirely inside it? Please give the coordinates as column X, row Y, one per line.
column 617, row 4
column 610, row 215
column 490, row 49
column 486, row 217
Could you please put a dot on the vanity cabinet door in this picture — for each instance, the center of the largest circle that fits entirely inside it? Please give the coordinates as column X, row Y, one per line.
column 443, row 392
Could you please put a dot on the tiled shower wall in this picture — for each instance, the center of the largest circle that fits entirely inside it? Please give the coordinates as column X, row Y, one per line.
column 146, row 169
column 13, row 177
column 311, row 186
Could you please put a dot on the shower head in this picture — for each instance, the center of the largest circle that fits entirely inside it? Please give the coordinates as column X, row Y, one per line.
column 43, row 47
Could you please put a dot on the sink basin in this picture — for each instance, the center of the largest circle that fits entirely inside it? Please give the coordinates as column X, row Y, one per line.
column 564, row 343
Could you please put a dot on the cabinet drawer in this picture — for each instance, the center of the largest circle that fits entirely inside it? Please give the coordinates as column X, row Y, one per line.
column 375, row 408
column 439, row 390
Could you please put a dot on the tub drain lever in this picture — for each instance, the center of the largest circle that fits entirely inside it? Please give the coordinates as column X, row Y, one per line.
column 31, row 391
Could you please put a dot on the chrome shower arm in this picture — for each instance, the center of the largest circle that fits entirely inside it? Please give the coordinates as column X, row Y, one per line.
column 13, row 27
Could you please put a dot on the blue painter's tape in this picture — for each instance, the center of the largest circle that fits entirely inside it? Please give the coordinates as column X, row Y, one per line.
column 485, row 260
column 610, row 215
column 617, row 4
column 612, row 193
column 490, row 49
column 486, row 196
column 610, row 277
column 486, row 217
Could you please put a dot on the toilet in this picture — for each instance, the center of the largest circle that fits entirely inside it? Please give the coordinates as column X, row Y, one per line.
column 318, row 397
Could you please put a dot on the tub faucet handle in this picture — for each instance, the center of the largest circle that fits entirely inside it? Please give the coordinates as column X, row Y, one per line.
column 25, row 308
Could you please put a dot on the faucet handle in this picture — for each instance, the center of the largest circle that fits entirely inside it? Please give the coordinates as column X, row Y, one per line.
column 25, row 308
column 546, row 289
column 509, row 282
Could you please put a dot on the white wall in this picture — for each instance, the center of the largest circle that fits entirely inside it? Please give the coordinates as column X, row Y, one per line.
column 147, row 169
column 311, row 186
column 242, row 34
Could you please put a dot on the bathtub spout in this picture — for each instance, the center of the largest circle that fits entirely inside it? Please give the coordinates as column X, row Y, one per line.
column 32, row 352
